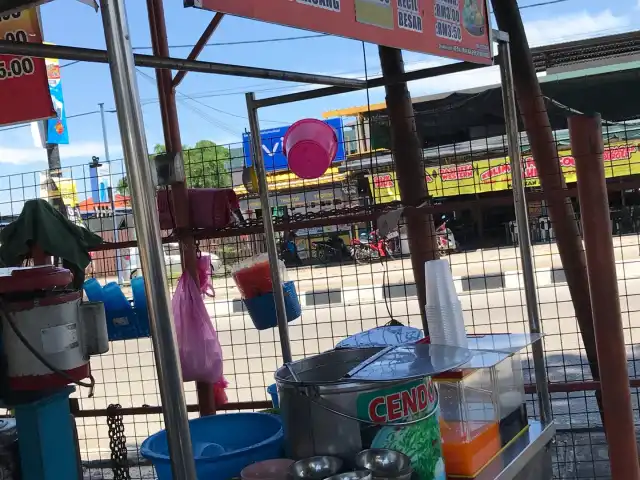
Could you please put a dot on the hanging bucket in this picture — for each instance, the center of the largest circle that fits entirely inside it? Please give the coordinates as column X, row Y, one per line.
column 262, row 309
column 323, row 415
column 310, row 146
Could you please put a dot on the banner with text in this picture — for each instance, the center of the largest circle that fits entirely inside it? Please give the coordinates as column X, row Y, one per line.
column 447, row 28
column 24, row 90
column 494, row 175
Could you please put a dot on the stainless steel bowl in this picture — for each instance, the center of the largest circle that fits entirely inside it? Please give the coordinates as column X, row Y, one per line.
column 385, row 463
column 315, row 468
column 357, row 475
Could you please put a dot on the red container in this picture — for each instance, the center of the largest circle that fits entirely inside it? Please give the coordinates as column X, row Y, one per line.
column 208, row 208
column 254, row 281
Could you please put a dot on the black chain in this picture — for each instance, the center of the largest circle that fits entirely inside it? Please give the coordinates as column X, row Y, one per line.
column 117, row 443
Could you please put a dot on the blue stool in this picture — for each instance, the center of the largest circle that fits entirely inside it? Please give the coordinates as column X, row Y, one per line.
column 262, row 309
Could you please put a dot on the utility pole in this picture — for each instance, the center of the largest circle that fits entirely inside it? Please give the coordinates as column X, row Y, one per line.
column 116, row 234
column 53, row 175
column 407, row 149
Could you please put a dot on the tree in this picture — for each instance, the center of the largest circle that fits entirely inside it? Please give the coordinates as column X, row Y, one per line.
column 206, row 165
column 123, row 186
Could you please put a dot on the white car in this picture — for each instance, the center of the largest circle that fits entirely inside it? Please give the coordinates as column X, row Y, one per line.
column 132, row 268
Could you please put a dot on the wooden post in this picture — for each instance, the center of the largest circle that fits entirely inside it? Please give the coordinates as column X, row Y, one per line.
column 410, row 172
column 588, row 150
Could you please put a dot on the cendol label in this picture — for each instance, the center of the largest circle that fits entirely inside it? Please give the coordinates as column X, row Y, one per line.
column 420, row 441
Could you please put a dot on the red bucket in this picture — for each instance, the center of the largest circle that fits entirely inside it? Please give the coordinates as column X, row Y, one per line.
column 310, row 146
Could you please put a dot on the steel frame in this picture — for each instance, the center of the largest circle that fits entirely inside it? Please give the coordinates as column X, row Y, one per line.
column 122, row 62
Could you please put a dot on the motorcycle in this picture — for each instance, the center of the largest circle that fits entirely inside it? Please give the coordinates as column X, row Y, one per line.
column 445, row 239
column 373, row 246
column 289, row 253
column 331, row 250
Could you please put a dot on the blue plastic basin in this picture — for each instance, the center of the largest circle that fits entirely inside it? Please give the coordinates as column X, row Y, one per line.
column 224, row 444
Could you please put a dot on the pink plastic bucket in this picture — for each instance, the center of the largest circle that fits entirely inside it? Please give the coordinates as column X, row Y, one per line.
column 310, row 146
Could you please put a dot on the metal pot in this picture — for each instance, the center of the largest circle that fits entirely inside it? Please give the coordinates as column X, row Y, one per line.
column 323, row 414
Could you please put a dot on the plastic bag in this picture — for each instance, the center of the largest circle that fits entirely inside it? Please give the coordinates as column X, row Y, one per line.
column 204, row 275
column 198, row 344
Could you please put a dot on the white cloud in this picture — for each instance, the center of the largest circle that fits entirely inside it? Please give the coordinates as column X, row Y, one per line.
column 26, row 155
column 574, row 26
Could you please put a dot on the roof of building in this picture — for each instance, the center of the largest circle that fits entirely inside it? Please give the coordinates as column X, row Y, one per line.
column 545, row 78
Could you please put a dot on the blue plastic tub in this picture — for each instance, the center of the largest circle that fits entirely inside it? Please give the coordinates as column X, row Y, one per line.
column 273, row 391
column 223, row 444
column 262, row 309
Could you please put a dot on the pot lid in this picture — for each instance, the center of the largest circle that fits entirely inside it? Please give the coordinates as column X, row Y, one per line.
column 382, row 337
column 503, row 342
column 29, row 279
column 407, row 362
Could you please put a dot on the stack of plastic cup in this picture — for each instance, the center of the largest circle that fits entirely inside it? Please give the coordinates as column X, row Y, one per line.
column 443, row 308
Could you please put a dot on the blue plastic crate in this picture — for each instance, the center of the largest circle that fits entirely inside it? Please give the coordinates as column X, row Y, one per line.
column 127, row 324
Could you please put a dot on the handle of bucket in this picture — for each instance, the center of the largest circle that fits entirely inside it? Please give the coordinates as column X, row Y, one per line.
column 330, row 408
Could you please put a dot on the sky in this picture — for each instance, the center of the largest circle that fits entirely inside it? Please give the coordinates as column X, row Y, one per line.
column 212, row 107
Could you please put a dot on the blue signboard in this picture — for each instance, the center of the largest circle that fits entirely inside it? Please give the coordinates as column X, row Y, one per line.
column 272, row 140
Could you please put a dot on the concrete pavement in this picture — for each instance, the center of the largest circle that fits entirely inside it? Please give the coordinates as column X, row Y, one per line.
column 126, row 375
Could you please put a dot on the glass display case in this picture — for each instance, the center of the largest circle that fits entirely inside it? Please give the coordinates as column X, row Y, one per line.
column 482, row 409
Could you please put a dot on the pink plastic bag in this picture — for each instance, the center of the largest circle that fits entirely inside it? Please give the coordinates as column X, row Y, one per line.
column 204, row 275
column 198, row 344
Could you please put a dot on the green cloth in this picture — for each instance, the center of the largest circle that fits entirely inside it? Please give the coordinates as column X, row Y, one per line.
column 41, row 224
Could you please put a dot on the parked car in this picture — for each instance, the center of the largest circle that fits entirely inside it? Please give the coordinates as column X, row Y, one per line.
column 132, row 267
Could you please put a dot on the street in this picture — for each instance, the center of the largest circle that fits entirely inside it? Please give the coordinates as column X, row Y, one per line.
column 127, row 375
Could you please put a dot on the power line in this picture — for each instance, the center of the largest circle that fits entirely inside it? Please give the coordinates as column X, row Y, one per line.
column 189, row 97
column 213, row 121
column 543, row 4
column 245, row 42
column 27, row 125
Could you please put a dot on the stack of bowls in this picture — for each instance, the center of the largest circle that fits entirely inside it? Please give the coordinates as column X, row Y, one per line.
column 385, row 464
column 315, row 468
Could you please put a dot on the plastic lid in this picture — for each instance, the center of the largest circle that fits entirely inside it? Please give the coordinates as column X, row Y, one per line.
column 406, row 362
column 503, row 342
column 382, row 337
column 30, row 279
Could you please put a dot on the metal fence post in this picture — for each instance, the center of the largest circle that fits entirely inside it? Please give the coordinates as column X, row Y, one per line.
column 522, row 223
column 134, row 145
column 269, row 232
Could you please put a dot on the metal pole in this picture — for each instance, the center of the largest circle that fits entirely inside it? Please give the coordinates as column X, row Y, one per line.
column 179, row 191
column 270, row 236
column 199, row 46
column 522, row 221
column 410, row 172
column 39, row 50
column 116, row 233
column 587, row 147
column 134, row 144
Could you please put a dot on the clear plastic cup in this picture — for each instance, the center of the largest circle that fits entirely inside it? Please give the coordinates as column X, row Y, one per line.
column 440, row 289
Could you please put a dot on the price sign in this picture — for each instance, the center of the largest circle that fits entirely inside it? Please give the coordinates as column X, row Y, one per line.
column 24, row 89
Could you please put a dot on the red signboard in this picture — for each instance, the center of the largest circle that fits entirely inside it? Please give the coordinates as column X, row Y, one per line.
column 24, row 88
column 447, row 28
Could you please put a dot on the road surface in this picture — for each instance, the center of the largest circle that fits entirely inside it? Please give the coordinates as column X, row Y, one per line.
column 126, row 375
